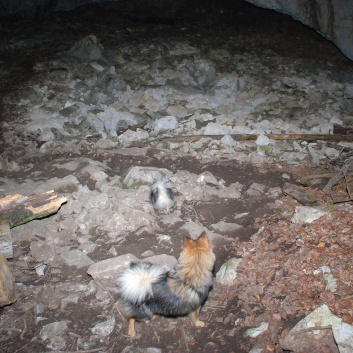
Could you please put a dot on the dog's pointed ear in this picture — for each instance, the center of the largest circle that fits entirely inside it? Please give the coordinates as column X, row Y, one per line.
column 187, row 241
column 203, row 239
column 203, row 235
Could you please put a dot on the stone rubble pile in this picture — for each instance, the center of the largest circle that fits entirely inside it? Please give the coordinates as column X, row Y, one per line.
column 138, row 93
column 99, row 221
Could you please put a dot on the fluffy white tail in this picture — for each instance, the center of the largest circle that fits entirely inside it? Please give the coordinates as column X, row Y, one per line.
column 135, row 283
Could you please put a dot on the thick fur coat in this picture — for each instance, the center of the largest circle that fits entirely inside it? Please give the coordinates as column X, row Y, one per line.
column 147, row 289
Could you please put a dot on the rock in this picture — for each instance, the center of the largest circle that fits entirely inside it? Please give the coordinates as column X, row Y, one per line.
column 256, row 189
column 307, row 214
column 177, row 110
column 256, row 350
column 166, row 260
column 43, row 251
column 227, row 140
column 40, row 269
column 203, row 187
column 130, row 136
column 145, row 175
column 173, row 218
column 209, row 178
column 166, row 123
column 109, row 121
column 105, row 328
column 262, row 140
column 194, row 230
column 76, row 258
column 66, row 185
column 53, row 329
column 26, row 95
column 57, row 343
column 331, row 283
column 274, row 192
column 163, row 238
column 97, row 201
column 314, row 157
column 228, row 272
column 217, row 129
column 88, row 247
column 233, row 191
column 183, row 49
column 88, row 48
column 106, row 272
column 10, row 166
column 121, row 216
column 86, row 169
column 256, row 331
column 43, row 124
column 189, row 185
column 72, row 298
column 257, row 159
column 105, row 144
column 331, row 153
column 299, row 339
column 223, row 227
column 294, row 158
column 104, row 297
column 343, row 334
column 301, row 194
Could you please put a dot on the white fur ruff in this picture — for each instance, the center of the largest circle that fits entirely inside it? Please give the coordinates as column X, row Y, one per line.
column 163, row 200
column 135, row 284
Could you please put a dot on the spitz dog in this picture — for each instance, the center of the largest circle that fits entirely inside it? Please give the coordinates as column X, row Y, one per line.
column 161, row 196
column 147, row 289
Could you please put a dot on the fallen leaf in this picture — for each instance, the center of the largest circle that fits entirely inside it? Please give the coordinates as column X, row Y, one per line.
column 251, row 319
column 192, row 343
column 257, row 297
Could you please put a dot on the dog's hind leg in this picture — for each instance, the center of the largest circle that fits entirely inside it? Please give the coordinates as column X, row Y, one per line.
column 194, row 317
column 131, row 330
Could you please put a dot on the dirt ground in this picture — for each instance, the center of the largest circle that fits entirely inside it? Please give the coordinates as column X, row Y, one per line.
column 275, row 284
column 170, row 334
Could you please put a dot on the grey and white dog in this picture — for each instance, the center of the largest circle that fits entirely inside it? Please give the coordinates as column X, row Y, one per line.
column 161, row 196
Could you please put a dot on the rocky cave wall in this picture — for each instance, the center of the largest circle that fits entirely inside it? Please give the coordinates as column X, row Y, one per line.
column 331, row 18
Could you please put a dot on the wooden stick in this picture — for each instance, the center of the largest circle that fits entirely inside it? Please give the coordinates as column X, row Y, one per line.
column 336, row 178
column 18, row 209
column 250, row 137
column 7, row 284
column 6, row 246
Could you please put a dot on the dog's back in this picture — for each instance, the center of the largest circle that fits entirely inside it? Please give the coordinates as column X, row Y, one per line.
column 148, row 289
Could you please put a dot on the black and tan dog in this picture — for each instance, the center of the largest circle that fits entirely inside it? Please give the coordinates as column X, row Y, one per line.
column 147, row 289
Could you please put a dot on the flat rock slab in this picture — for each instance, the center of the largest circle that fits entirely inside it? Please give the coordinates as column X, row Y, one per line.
column 106, row 272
